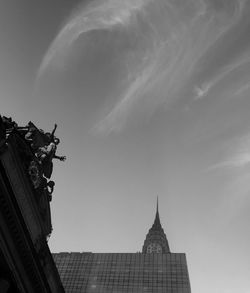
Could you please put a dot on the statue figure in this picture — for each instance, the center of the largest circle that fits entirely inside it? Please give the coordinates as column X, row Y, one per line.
column 51, row 136
column 36, row 137
column 43, row 147
column 46, row 154
column 50, row 189
column 6, row 125
column 47, row 187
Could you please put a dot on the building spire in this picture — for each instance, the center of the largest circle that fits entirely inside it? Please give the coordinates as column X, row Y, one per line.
column 156, row 235
column 157, row 222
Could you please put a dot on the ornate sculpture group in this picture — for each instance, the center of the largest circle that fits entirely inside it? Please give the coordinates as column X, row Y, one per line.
column 43, row 146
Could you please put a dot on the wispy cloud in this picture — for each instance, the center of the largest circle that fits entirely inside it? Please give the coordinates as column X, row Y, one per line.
column 178, row 49
column 201, row 92
column 234, row 172
column 238, row 155
column 240, row 160
column 242, row 89
column 97, row 15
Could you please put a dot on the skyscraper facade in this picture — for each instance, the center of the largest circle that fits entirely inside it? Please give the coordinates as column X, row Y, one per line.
column 154, row 270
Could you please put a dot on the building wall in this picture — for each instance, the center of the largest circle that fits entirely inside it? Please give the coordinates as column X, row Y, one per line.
column 26, row 263
column 123, row 272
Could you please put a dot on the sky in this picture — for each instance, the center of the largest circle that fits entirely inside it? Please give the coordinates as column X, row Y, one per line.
column 151, row 99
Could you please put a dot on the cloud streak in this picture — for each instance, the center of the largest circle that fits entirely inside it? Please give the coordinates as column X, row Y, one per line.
column 238, row 155
column 98, row 15
column 177, row 50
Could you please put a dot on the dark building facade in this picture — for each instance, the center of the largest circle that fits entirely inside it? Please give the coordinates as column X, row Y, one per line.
column 155, row 270
column 26, row 264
